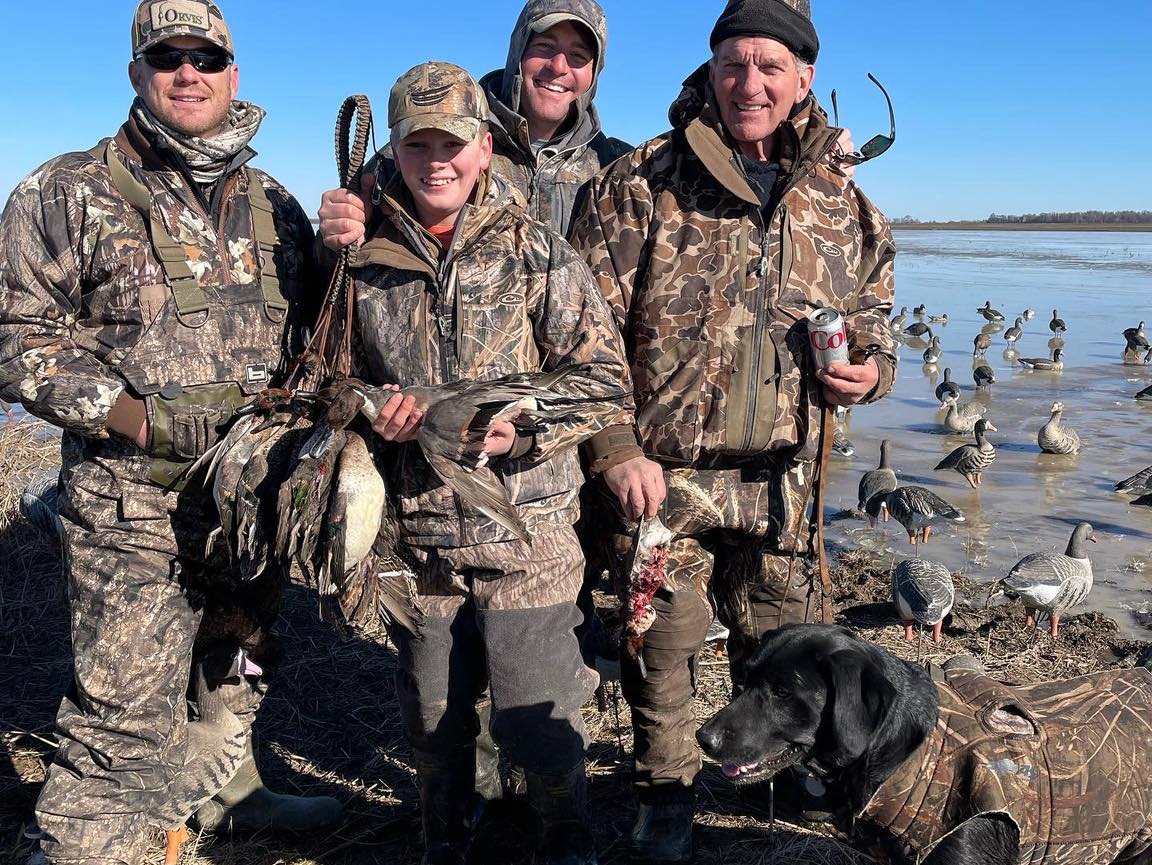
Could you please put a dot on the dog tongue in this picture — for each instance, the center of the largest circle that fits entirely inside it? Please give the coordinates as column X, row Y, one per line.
column 731, row 771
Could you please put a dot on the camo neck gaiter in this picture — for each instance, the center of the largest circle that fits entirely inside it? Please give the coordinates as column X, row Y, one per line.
column 207, row 158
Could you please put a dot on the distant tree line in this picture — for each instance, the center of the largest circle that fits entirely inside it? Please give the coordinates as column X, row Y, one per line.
column 1079, row 217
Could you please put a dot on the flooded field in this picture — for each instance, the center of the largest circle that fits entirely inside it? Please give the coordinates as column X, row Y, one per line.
column 1101, row 283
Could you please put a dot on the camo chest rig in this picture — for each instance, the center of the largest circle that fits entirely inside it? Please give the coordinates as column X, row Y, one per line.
column 1068, row 762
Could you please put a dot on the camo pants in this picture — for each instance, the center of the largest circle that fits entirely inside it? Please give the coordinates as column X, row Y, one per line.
column 752, row 582
column 144, row 597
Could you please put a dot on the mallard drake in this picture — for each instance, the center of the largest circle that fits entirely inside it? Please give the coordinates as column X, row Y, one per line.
column 933, row 352
column 962, row 418
column 1047, row 364
column 875, row 484
column 1054, row 438
column 922, row 591
column 946, row 387
column 919, row 310
column 972, row 460
column 1139, row 484
column 989, row 313
column 1014, row 333
column 942, row 318
column 918, row 328
column 980, row 344
column 1028, row 314
column 1050, row 582
column 983, row 376
column 1057, row 325
column 918, row 509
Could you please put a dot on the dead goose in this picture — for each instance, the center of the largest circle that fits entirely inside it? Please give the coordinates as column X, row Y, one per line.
column 1054, row 438
column 918, row 509
column 947, row 387
column 971, row 460
column 962, row 418
column 922, row 591
column 1047, row 364
column 1057, row 325
column 1014, row 332
column 933, row 352
column 1050, row 582
column 983, row 376
column 918, row 328
column 989, row 313
column 1139, row 484
column 980, row 344
column 875, row 484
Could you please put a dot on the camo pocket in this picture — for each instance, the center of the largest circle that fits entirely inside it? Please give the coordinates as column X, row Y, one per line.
column 670, row 386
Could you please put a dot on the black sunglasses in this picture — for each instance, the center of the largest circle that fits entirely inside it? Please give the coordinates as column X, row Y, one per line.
column 875, row 145
column 171, row 59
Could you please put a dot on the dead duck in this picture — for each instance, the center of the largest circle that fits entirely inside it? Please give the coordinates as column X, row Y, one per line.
column 980, row 344
column 875, row 484
column 1046, row 364
column 1014, row 333
column 971, row 460
column 1054, row 437
column 989, row 313
column 962, row 418
column 923, row 592
column 933, row 352
column 1057, row 325
column 1050, row 582
column 918, row 510
column 942, row 318
column 947, row 387
column 983, row 376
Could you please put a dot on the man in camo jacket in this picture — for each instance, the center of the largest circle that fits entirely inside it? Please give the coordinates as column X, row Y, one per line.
column 148, row 288
column 713, row 242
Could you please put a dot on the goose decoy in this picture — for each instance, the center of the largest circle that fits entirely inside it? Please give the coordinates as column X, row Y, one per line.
column 875, row 484
column 216, row 746
column 971, row 460
column 1014, row 332
column 947, row 387
column 939, row 319
column 918, row 328
column 1057, row 325
column 918, row 510
column 1139, row 484
column 983, row 376
column 1054, row 438
column 1050, row 582
column 922, row 591
column 962, row 418
column 1047, row 364
column 980, row 344
column 919, row 310
column 1148, row 357
column 989, row 313
column 1136, row 337
column 1144, row 395
column 897, row 322
column 1028, row 314
column 933, row 352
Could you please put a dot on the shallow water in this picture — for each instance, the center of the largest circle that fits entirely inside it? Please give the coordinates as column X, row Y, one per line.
column 1029, row 501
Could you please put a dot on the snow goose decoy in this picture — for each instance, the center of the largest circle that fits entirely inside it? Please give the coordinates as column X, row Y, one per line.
column 1049, row 582
column 1057, row 325
column 962, row 418
column 983, row 376
column 918, row 510
column 1054, row 438
column 922, row 591
column 947, row 387
column 989, row 313
column 875, row 484
column 971, row 460
column 1014, row 332
column 1047, row 364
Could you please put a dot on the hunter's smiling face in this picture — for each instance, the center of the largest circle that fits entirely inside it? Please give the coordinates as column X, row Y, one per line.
column 558, row 67
column 757, row 83
column 441, row 171
column 188, row 101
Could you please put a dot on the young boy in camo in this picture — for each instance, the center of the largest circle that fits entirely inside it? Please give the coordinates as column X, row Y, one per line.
column 148, row 288
column 458, row 282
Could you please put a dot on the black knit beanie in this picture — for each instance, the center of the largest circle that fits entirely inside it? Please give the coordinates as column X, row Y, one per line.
column 786, row 21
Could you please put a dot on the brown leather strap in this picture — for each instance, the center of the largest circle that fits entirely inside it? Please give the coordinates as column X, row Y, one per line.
column 827, row 431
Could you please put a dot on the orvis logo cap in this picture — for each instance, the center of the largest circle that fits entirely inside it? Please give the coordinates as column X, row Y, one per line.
column 157, row 20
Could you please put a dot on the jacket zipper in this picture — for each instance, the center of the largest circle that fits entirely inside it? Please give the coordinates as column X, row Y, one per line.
column 761, row 304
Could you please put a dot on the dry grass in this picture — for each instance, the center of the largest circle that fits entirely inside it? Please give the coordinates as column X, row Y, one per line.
column 329, row 724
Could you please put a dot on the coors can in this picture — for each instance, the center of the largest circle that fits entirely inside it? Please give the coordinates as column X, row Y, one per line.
column 829, row 341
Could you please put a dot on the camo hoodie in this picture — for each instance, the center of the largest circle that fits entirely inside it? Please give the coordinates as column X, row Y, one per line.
column 552, row 180
column 509, row 296
column 711, row 292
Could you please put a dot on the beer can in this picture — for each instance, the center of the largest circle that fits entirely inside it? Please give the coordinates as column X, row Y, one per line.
column 826, row 333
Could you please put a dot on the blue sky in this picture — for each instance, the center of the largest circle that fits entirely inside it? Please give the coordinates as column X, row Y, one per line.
column 1004, row 106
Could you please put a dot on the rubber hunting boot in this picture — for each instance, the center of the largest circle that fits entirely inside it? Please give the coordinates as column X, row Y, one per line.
column 561, row 803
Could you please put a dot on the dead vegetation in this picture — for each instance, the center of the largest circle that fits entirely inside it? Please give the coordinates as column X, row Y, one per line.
column 329, row 724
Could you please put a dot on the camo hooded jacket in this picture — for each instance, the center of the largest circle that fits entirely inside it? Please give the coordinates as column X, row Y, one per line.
column 553, row 179
column 83, row 299
column 712, row 293
column 1067, row 762
column 509, row 296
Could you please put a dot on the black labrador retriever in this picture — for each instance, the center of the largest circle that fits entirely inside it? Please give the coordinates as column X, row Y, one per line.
column 854, row 715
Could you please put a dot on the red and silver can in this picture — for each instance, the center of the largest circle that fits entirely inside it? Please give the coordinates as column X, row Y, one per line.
column 826, row 333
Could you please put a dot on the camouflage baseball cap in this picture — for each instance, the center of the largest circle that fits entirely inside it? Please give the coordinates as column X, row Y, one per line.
column 157, row 20
column 436, row 95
